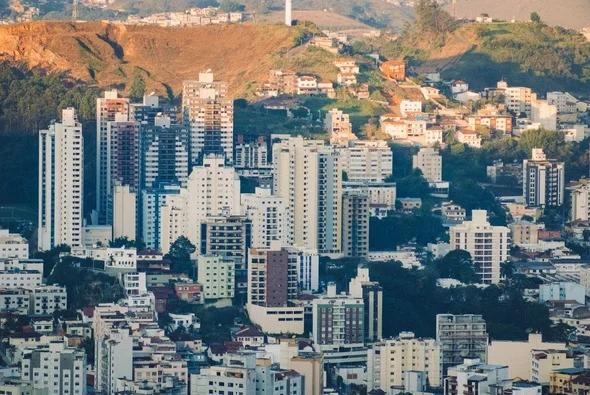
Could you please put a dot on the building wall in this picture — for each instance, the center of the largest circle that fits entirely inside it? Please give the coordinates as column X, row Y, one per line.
column 487, row 244
column 355, row 224
column 429, row 162
column 217, row 275
column 61, row 183
column 124, row 212
column 517, row 354
column 107, row 109
column 389, row 360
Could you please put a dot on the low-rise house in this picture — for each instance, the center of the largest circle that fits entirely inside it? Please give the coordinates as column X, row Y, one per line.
column 469, row 137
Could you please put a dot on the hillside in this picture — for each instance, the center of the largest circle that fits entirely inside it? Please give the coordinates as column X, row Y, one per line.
column 323, row 19
column 573, row 14
column 109, row 54
column 543, row 57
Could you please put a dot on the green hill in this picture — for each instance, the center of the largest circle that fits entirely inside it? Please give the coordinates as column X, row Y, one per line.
column 532, row 54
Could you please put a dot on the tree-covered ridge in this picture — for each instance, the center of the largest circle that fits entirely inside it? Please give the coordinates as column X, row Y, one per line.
column 524, row 53
column 30, row 99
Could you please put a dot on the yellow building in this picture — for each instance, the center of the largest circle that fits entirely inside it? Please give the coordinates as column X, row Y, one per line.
column 570, row 381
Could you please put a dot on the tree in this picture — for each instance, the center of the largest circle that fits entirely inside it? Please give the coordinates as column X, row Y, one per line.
column 507, row 269
column 137, row 89
column 457, row 264
column 413, row 185
column 431, row 17
column 125, row 242
column 231, row 6
column 535, row 18
column 180, row 256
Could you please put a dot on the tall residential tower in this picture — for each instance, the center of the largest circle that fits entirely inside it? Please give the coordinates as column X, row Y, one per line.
column 61, row 181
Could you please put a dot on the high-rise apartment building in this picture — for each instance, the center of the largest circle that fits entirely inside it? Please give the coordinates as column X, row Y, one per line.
column 487, row 244
column 154, row 220
column 251, row 155
column 124, row 212
column 543, row 180
column 429, row 162
column 123, row 166
column 371, row 293
column 288, row 12
column 213, row 189
column 337, row 320
column 217, row 276
column 61, row 183
column 580, row 200
column 164, row 154
column 55, row 369
column 145, row 113
column 356, row 213
column 308, row 270
column 390, row 359
column 307, row 175
column 461, row 336
column 272, row 277
column 366, row 161
column 108, row 109
column 113, row 358
column 268, row 216
column 272, row 285
column 228, row 236
column 209, row 115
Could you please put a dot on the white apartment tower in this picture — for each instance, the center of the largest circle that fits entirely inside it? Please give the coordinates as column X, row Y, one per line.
column 371, row 292
column 487, row 244
column 61, row 181
column 268, row 216
column 461, row 336
column 124, row 212
column 109, row 108
column 308, row 175
column 429, row 162
column 55, row 369
column 543, row 180
column 209, row 115
column 213, row 189
column 367, row 161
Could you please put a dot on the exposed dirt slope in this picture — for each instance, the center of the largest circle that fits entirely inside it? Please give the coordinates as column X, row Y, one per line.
column 110, row 54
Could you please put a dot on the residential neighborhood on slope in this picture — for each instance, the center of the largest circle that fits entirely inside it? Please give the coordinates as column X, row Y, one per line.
column 395, row 232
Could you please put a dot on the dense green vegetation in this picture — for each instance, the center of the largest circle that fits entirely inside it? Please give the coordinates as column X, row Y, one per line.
column 411, row 300
column 531, row 54
column 462, row 162
column 395, row 230
column 85, row 287
column 29, row 100
column 216, row 323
